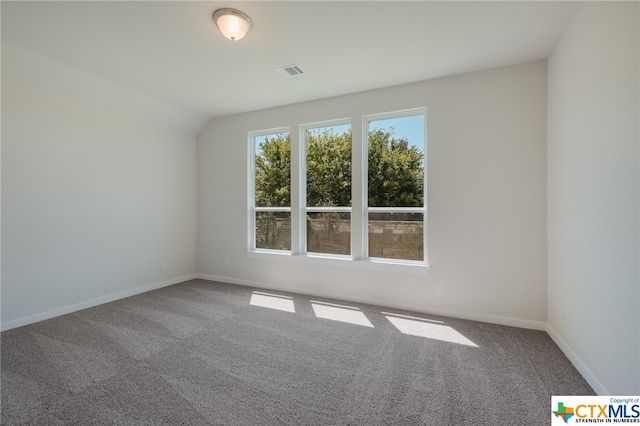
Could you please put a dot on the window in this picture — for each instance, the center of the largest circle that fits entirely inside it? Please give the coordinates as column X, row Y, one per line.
column 271, row 190
column 325, row 194
column 328, row 188
column 395, row 186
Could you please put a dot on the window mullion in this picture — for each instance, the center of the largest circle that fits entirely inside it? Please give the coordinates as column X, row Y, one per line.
column 298, row 184
column 251, row 234
column 358, row 194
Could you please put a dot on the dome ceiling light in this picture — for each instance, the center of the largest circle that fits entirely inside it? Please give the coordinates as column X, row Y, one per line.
column 232, row 23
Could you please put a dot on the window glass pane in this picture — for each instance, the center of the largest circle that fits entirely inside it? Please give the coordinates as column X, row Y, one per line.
column 273, row 170
column 273, row 230
column 396, row 162
column 396, row 235
column 328, row 161
column 329, row 232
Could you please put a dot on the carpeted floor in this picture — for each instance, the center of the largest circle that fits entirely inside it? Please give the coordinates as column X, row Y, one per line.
column 205, row 353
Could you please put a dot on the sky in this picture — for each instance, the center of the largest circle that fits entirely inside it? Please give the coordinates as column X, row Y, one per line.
column 409, row 127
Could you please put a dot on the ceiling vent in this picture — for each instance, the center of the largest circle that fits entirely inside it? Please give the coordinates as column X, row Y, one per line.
column 291, row 71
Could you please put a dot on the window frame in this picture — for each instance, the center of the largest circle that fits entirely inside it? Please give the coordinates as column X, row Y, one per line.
column 366, row 120
column 304, row 208
column 253, row 209
column 359, row 209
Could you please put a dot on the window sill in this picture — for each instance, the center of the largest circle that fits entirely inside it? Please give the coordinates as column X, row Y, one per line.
column 389, row 265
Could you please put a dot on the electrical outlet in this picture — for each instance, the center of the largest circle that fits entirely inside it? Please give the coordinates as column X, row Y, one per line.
column 226, row 263
column 442, row 288
column 164, row 266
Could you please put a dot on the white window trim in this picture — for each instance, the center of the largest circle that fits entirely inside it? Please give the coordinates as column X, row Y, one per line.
column 251, row 190
column 366, row 120
column 304, row 209
column 342, row 261
column 359, row 210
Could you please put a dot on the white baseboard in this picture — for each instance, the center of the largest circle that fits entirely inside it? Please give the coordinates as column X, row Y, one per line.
column 591, row 378
column 513, row 322
column 91, row 303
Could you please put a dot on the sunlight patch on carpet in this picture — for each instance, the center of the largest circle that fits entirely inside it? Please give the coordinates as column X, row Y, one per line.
column 272, row 301
column 342, row 313
column 421, row 327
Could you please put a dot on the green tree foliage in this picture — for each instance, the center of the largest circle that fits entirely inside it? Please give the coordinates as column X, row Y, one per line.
column 328, row 168
column 395, row 170
column 273, row 172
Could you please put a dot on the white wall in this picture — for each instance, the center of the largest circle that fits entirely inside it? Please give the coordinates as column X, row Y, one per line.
column 486, row 193
column 98, row 189
column 593, row 198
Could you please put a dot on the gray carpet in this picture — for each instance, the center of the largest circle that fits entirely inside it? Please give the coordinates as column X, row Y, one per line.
column 205, row 353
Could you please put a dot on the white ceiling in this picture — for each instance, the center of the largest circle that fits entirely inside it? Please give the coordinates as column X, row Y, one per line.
column 174, row 52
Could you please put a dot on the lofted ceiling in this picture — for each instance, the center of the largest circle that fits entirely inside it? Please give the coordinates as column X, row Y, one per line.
column 174, row 52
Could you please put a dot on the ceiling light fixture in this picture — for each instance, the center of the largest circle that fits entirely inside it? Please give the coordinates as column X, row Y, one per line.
column 232, row 23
